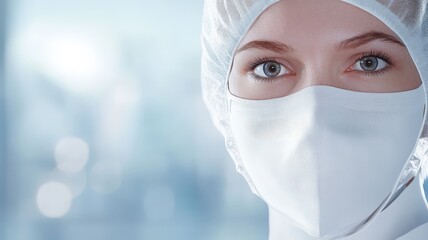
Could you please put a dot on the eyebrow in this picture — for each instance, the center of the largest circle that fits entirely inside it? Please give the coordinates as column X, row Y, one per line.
column 353, row 42
column 365, row 38
column 265, row 45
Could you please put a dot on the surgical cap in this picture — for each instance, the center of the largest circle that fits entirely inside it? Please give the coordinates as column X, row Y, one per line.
column 225, row 22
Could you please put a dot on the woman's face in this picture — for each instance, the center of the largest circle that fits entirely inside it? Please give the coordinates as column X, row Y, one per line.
column 298, row 43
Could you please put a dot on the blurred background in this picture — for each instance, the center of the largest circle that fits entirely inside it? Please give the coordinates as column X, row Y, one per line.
column 103, row 132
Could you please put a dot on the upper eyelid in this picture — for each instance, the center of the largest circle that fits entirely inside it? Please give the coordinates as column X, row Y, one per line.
column 379, row 54
column 257, row 61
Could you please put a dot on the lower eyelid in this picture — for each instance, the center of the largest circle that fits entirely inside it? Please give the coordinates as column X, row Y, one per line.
column 371, row 74
column 270, row 80
column 256, row 78
column 257, row 61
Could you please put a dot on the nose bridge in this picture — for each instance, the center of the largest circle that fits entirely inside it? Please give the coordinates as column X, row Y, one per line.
column 317, row 71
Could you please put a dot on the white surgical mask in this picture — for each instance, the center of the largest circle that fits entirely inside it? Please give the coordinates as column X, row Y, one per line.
column 326, row 157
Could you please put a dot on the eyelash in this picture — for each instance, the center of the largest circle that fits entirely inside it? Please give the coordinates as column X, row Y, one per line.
column 257, row 61
column 378, row 54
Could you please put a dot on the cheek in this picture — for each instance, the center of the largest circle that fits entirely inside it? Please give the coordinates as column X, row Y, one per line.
column 405, row 75
column 243, row 86
column 413, row 77
column 391, row 82
column 407, row 78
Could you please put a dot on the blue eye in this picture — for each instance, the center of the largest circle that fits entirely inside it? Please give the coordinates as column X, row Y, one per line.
column 270, row 69
column 370, row 64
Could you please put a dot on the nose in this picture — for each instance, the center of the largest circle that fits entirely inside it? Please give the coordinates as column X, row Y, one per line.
column 316, row 74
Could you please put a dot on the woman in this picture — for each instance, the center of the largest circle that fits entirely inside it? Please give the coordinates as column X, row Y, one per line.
column 322, row 105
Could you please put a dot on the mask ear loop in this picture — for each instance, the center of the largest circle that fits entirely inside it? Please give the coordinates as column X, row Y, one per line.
column 398, row 193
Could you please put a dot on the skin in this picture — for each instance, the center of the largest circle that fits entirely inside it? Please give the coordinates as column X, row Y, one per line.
column 312, row 31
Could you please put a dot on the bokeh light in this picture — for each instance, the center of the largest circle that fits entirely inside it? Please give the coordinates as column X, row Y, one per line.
column 71, row 154
column 75, row 61
column 54, row 199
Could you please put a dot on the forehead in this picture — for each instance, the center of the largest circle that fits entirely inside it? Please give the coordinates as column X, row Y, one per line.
column 303, row 21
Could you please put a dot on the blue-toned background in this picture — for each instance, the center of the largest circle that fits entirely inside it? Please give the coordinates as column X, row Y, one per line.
column 103, row 133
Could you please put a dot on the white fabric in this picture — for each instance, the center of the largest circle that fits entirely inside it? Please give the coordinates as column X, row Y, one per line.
column 225, row 22
column 315, row 152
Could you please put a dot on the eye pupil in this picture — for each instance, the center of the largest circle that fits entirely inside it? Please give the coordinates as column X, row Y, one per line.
column 271, row 69
column 369, row 63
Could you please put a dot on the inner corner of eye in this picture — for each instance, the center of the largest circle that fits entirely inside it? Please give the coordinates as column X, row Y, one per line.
column 350, row 68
